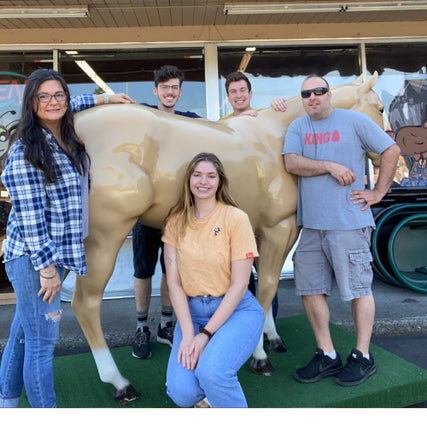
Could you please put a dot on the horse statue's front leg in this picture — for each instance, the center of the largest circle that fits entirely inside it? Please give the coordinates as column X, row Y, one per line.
column 101, row 255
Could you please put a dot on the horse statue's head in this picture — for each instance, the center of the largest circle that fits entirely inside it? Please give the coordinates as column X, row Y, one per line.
column 359, row 96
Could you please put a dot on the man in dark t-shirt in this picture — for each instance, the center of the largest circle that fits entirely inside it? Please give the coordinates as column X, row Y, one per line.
column 146, row 241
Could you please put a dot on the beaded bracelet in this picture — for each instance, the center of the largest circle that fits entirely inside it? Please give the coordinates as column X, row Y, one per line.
column 106, row 98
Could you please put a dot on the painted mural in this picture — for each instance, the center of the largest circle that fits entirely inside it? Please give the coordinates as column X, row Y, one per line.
column 11, row 91
column 408, row 120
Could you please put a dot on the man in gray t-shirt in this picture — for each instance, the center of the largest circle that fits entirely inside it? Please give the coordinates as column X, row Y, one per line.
column 326, row 149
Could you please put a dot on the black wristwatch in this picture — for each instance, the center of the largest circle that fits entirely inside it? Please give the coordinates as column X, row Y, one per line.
column 202, row 330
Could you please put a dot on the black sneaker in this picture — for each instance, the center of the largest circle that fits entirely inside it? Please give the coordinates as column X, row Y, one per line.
column 165, row 335
column 141, row 343
column 356, row 370
column 321, row 366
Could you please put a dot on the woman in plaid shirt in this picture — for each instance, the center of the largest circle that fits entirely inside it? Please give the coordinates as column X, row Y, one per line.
column 46, row 175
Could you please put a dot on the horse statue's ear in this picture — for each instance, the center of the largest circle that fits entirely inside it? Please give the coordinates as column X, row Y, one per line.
column 358, row 80
column 369, row 84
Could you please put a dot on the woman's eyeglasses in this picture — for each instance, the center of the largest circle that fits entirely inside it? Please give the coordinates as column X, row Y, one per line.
column 44, row 98
column 318, row 91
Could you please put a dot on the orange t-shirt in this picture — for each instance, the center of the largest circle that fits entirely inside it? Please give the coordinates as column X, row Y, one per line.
column 209, row 245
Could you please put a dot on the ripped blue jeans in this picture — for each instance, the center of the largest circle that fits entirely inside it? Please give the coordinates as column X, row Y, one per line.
column 28, row 356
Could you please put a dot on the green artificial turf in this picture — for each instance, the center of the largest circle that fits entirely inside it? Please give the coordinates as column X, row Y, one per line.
column 397, row 383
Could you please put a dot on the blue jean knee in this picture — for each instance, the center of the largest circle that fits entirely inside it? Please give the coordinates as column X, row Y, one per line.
column 28, row 355
column 231, row 346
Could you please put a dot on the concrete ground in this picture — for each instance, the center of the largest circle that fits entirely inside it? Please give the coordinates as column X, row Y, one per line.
column 400, row 325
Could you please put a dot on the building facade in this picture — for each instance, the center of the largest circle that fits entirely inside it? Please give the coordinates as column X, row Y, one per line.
column 276, row 45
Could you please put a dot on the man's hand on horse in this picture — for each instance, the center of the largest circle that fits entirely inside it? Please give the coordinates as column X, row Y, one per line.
column 279, row 104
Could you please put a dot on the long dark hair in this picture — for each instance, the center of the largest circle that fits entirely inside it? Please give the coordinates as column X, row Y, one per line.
column 30, row 133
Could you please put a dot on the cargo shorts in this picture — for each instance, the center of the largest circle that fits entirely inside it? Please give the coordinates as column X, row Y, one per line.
column 325, row 256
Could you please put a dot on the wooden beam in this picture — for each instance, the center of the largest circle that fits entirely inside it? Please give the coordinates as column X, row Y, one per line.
column 210, row 33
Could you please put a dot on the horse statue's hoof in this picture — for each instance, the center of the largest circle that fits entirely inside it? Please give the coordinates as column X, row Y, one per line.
column 261, row 367
column 126, row 395
column 277, row 346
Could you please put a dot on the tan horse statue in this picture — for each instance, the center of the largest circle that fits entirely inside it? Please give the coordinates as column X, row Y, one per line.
column 139, row 156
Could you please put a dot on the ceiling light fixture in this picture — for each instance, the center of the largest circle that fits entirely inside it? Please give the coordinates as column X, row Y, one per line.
column 90, row 72
column 44, row 12
column 262, row 8
column 254, row 9
column 378, row 6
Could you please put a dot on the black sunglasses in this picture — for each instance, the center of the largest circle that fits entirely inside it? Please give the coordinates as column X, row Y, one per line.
column 318, row 91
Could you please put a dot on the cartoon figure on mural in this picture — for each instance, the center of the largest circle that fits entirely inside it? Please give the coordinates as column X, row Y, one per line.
column 412, row 141
column 408, row 119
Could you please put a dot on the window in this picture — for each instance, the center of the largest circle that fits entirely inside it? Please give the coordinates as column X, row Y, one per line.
column 279, row 71
column 131, row 72
column 14, row 70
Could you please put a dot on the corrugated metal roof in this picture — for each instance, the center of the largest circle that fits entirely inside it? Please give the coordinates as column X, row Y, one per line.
column 170, row 13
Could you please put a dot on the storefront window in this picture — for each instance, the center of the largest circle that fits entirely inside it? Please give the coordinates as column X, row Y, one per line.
column 14, row 70
column 402, row 86
column 279, row 71
column 131, row 72
column 273, row 71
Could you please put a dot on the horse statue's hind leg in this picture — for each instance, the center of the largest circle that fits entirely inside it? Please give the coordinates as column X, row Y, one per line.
column 274, row 244
column 101, row 253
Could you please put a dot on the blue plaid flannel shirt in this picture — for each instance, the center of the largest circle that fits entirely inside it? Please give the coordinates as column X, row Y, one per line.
column 45, row 222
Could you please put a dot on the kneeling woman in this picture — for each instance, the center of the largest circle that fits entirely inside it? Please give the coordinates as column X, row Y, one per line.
column 209, row 251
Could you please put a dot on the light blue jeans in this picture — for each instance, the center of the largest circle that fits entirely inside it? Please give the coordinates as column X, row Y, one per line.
column 28, row 355
column 215, row 376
